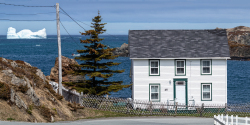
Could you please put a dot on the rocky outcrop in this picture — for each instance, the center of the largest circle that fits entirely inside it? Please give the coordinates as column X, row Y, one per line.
column 26, row 95
column 122, row 51
column 239, row 42
column 67, row 66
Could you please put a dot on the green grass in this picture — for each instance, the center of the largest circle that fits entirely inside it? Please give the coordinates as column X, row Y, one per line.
column 9, row 119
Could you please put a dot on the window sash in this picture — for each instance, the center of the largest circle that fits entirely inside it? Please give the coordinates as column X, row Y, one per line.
column 204, row 67
column 153, row 69
column 154, row 96
column 180, row 72
column 206, row 94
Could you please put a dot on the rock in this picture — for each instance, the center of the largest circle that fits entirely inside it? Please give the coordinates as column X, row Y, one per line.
column 14, row 98
column 239, row 41
column 66, row 67
column 40, row 74
column 14, row 64
column 27, row 64
column 122, row 51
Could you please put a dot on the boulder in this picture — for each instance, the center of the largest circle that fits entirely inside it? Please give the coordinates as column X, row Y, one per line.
column 66, row 68
column 122, row 51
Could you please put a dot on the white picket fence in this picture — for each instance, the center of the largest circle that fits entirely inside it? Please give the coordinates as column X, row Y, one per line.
column 230, row 120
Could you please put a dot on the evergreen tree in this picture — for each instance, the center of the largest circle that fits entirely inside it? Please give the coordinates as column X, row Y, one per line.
column 96, row 70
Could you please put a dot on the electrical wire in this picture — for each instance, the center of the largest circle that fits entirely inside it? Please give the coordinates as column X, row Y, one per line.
column 27, row 14
column 72, row 18
column 68, row 33
column 27, row 20
column 24, row 5
column 85, row 24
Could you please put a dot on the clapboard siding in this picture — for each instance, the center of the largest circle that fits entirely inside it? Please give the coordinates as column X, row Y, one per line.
column 141, row 80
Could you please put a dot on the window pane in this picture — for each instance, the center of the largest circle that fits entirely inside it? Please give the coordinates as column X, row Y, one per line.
column 154, row 64
column 206, row 70
column 154, row 70
column 180, row 63
column 206, row 88
column 180, row 70
column 154, row 88
column 206, row 95
column 154, row 95
column 206, row 63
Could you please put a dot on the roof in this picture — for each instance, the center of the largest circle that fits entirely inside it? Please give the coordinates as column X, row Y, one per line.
column 178, row 43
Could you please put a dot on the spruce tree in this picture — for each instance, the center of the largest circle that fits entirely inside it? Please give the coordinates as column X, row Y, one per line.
column 97, row 71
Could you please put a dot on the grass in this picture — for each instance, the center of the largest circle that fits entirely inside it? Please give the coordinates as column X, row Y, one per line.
column 9, row 119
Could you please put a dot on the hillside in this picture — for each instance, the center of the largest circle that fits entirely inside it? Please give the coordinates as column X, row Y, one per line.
column 25, row 95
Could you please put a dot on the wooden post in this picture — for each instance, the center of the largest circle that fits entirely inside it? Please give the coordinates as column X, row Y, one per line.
column 176, row 103
column 59, row 50
column 225, row 111
column 202, row 108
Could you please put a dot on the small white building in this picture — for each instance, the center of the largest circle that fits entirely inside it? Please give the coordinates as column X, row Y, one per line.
column 184, row 66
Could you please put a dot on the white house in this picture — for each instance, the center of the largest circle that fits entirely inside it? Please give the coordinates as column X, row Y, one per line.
column 179, row 65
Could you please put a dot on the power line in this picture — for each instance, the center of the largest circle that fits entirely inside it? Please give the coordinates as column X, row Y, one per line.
column 28, row 14
column 24, row 5
column 69, row 34
column 77, row 20
column 72, row 18
column 27, row 20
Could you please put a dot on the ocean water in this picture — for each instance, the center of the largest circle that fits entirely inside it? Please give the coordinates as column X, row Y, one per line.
column 42, row 53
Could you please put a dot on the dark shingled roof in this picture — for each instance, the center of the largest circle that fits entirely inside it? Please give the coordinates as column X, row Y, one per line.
column 178, row 43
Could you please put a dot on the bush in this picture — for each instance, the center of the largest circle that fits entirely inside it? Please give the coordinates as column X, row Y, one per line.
column 9, row 119
column 4, row 91
column 46, row 113
column 23, row 88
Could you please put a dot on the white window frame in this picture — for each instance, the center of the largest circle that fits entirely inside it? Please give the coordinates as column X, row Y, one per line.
column 210, row 91
column 158, row 61
column 150, row 92
column 210, row 67
column 184, row 73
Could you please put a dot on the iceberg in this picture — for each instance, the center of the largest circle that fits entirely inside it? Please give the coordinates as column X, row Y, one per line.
column 26, row 34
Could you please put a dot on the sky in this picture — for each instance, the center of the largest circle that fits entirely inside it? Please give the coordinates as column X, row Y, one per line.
column 124, row 15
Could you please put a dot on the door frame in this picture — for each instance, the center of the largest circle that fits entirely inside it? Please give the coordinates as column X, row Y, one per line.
column 186, row 86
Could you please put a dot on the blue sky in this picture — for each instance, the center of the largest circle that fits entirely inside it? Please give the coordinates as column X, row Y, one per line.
column 124, row 15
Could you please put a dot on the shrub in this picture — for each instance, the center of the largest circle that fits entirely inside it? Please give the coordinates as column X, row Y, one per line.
column 46, row 113
column 9, row 119
column 23, row 88
column 4, row 91
column 20, row 62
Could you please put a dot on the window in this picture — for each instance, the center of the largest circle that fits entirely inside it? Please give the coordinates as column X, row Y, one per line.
column 206, row 67
column 180, row 67
column 154, row 67
column 154, row 92
column 206, row 91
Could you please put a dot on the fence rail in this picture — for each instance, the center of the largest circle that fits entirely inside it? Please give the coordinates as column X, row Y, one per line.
column 140, row 107
column 230, row 120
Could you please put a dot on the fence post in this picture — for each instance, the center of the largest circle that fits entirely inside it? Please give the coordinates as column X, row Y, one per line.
column 232, row 119
column 246, row 120
column 151, row 108
column 176, row 103
column 215, row 120
column 225, row 111
column 201, row 111
column 236, row 119
column 128, row 104
column 227, row 119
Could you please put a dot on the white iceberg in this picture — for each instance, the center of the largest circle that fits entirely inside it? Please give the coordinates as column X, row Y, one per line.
column 26, row 34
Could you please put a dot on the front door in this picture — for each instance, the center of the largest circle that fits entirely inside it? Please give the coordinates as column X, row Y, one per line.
column 180, row 93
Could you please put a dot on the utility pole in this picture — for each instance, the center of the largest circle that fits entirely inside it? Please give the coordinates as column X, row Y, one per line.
column 59, row 50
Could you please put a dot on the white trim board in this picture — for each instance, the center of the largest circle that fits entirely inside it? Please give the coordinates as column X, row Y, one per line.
column 188, row 58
